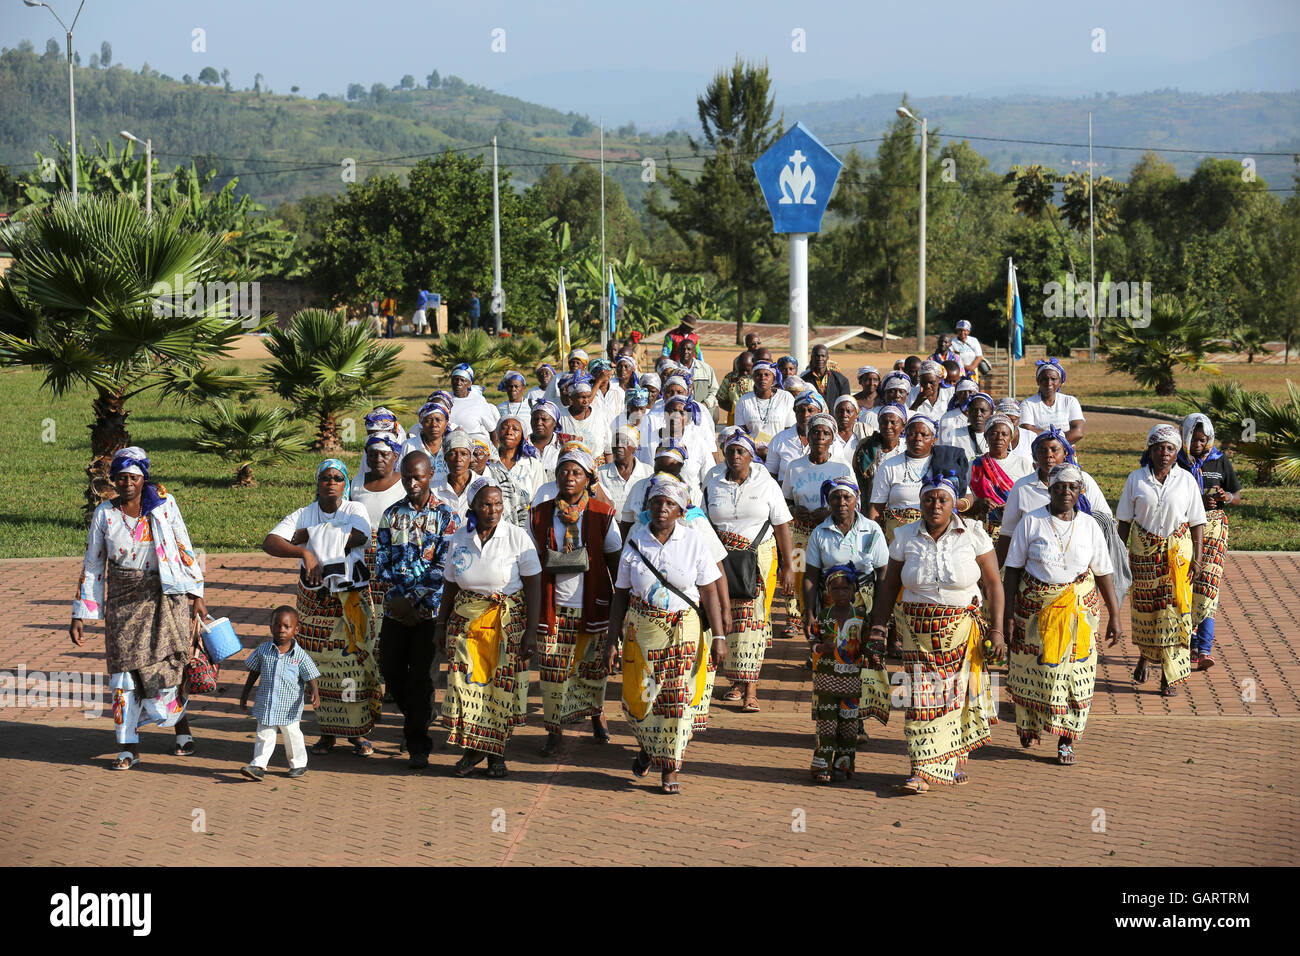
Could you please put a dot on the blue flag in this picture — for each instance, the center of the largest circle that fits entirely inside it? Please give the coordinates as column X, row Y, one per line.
column 1015, row 317
column 613, row 304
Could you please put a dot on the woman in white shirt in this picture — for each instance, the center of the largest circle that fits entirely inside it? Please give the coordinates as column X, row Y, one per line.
column 453, row 489
column 896, row 487
column 1022, row 439
column 767, row 410
column 518, row 455
column 582, row 422
column 993, row 474
column 940, row 563
column 487, row 627
column 379, row 487
column 1050, row 407
column 1058, row 572
column 968, row 348
column 434, row 424
column 663, row 575
column 748, row 513
column 336, row 621
column 1165, row 555
column 513, row 384
column 616, row 478
column 802, row 486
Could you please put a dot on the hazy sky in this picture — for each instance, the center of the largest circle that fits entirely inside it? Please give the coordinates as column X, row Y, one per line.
column 651, row 48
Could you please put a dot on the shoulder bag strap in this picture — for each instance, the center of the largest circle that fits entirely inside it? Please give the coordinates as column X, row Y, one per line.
column 758, row 538
column 669, row 585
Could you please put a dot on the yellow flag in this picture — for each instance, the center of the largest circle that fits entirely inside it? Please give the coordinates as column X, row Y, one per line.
column 562, row 324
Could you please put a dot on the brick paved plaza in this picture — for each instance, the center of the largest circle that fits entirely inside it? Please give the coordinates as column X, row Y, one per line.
column 1208, row 778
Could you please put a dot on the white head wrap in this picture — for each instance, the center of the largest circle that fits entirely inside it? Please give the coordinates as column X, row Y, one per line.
column 1189, row 426
column 1163, row 433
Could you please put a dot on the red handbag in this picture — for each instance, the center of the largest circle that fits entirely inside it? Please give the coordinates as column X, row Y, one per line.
column 200, row 675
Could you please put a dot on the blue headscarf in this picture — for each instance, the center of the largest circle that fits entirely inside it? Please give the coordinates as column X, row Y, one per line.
column 842, row 482
column 1194, row 465
column 636, row 397
column 738, row 436
column 689, row 404
column 510, row 377
column 464, row 370
column 770, row 367
column 811, row 396
column 942, row 479
column 329, row 463
column 1049, row 362
column 1055, row 434
column 134, row 457
column 384, row 438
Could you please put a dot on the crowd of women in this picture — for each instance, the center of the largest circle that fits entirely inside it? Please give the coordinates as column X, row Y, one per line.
column 649, row 515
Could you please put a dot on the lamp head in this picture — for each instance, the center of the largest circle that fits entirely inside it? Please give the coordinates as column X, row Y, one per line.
column 905, row 113
column 34, row 3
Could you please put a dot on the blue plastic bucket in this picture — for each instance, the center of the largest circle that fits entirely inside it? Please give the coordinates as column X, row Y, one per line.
column 220, row 640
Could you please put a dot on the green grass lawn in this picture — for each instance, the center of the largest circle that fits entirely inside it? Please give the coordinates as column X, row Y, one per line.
column 42, row 517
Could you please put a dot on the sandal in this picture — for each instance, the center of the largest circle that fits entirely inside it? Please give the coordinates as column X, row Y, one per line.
column 552, row 745
column 670, row 788
column 750, row 706
column 733, row 694
column 1026, row 739
column 1167, row 689
column 821, row 776
column 324, row 745
column 1140, row 672
column 497, row 768
column 125, row 761
column 184, row 745
column 466, row 764
column 960, row 778
column 914, row 785
column 1065, row 755
column 638, row 768
column 1205, row 663
column 599, row 730
column 362, row 747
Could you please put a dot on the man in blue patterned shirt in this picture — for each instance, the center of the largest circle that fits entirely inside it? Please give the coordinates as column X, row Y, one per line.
column 410, row 553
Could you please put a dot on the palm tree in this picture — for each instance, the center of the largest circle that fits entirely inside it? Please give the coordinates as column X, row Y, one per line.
column 247, row 435
column 82, row 305
column 1177, row 339
column 324, row 368
column 475, row 348
column 1247, row 422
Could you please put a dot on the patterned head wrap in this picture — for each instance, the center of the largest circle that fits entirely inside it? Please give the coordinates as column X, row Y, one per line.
column 997, row 418
column 963, row 326
column 386, row 439
column 547, row 408
column 925, row 420
column 794, row 384
column 577, row 453
column 1161, row 434
column 821, row 418
column 867, row 370
column 464, row 371
column 664, row 485
column 677, row 378
column 842, row 483
column 931, row 367
column 329, row 463
column 1043, row 365
column 672, row 448
column 845, row 400
column 738, row 436
column 580, row 355
column 428, row 408
column 1064, row 472
column 546, row 365
column 629, row 432
column 457, row 439
column 510, row 377
column 580, row 384
column 809, row 397
column 766, row 366
column 942, row 481
column 1008, row 407
column 635, row 398
column 1194, row 465
column 840, row 571
column 130, row 461
column 893, row 408
column 980, row 396
column 381, row 420
column 784, row 359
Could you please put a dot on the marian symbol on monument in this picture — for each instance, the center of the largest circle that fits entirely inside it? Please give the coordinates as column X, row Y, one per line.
column 797, row 177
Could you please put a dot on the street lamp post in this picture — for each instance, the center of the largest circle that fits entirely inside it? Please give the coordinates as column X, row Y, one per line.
column 907, row 114
column 148, row 170
column 72, row 101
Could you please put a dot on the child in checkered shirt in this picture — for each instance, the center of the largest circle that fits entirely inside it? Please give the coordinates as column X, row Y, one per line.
column 286, row 669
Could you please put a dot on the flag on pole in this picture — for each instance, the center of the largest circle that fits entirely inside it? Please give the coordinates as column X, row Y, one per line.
column 562, row 324
column 1015, row 317
column 613, row 305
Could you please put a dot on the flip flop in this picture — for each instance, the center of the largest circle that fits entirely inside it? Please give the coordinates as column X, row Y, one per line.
column 750, row 706
column 125, row 761
column 363, row 748
column 321, row 747
column 670, row 789
column 466, row 764
column 641, row 769
column 184, row 745
column 914, row 785
column 1065, row 755
column 497, row 768
column 599, row 732
column 734, row 693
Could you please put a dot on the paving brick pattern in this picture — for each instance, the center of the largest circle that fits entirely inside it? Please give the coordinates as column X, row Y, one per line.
column 1207, row 778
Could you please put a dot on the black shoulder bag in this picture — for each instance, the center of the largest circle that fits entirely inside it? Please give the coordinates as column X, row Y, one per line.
column 704, row 621
column 741, row 567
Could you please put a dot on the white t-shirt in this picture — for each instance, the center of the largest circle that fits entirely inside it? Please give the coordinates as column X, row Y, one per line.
column 415, row 442
column 522, row 409
column 350, row 514
column 376, row 501
column 768, row 416
column 534, row 396
column 528, row 474
column 615, row 486
column 863, row 547
column 933, row 409
column 741, row 508
column 458, row 503
column 569, row 587
column 1034, row 411
column 897, row 483
column 1058, row 551
column 1161, row 508
column 683, row 559
column 803, row 480
column 1025, row 447
column 497, row 566
column 473, row 414
column 970, row 352
column 972, row 444
column 1029, row 494
column 943, row 571
column 592, row 431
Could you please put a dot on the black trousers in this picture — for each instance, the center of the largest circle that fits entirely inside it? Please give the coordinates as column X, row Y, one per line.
column 406, row 660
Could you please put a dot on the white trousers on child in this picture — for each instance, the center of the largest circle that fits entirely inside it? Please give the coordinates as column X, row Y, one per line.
column 294, row 745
